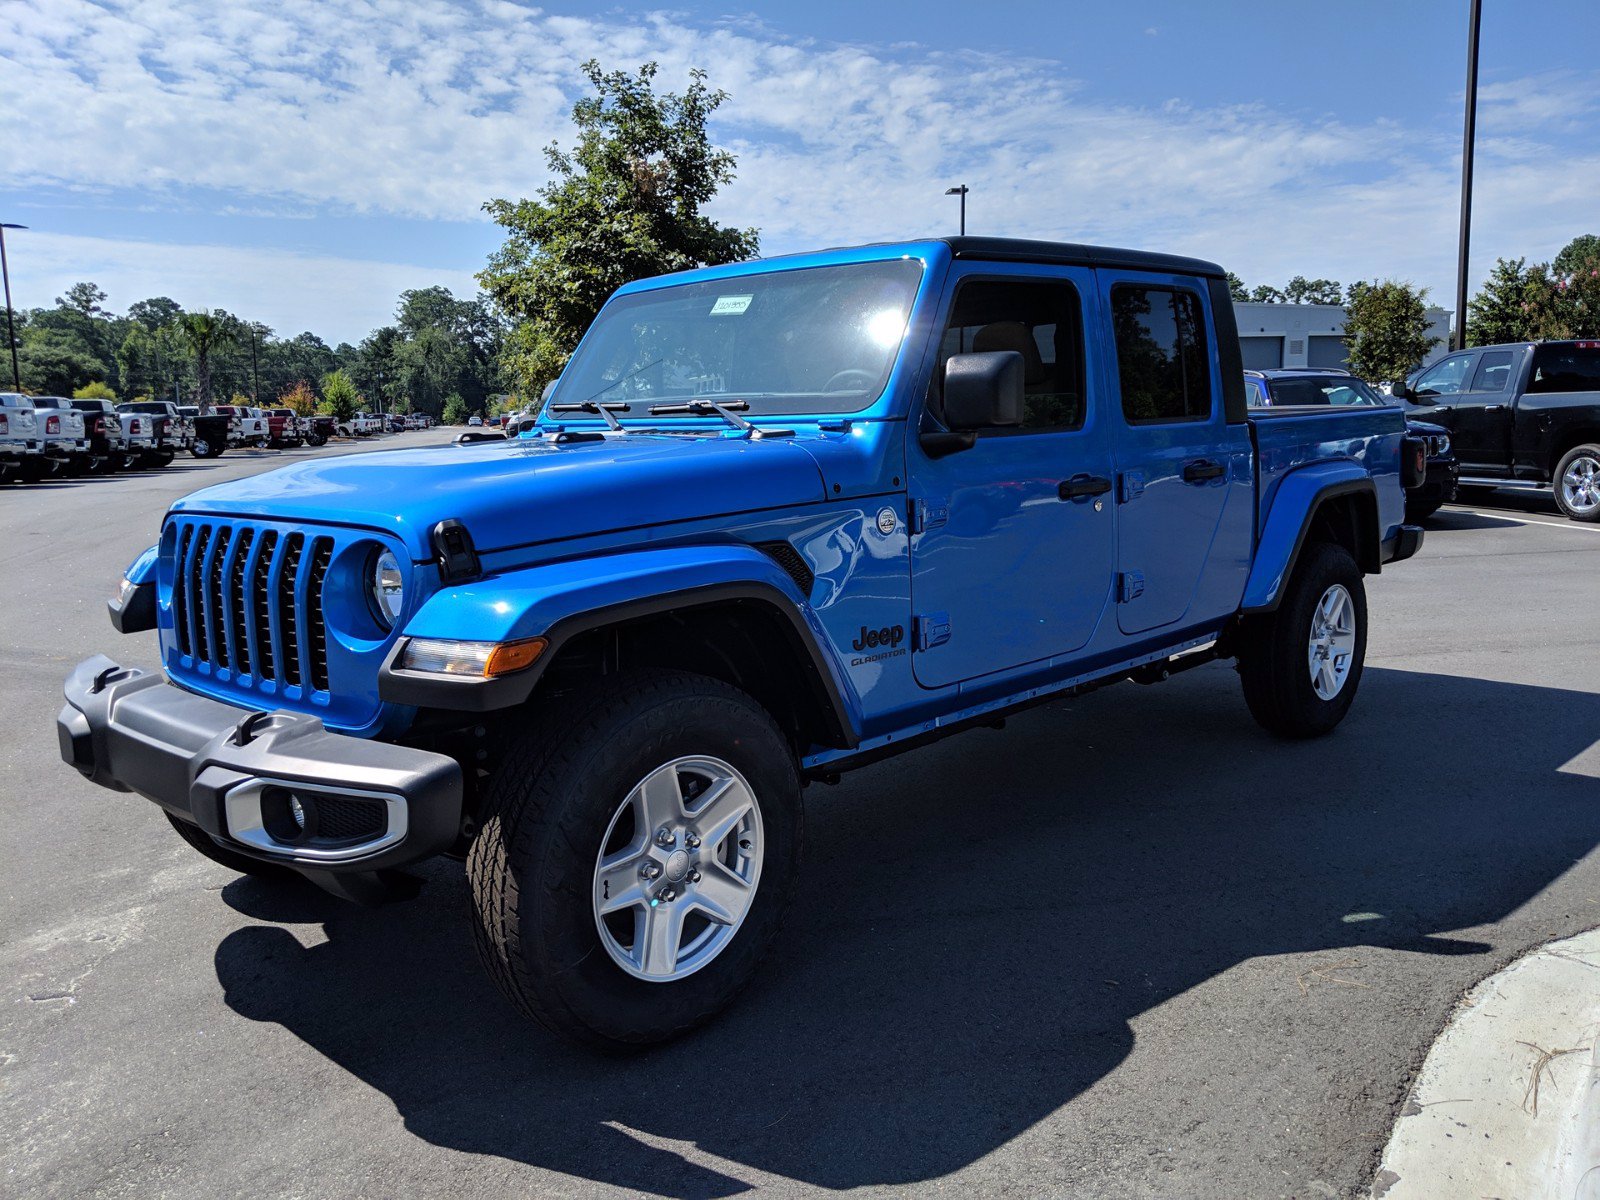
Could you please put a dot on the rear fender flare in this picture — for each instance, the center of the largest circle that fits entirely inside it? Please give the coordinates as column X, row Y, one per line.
column 1294, row 508
column 562, row 600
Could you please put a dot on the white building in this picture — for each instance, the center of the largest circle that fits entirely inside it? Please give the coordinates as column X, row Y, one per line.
column 1309, row 335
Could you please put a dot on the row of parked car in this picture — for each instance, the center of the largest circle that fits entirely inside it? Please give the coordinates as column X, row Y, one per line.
column 52, row 437
column 1521, row 416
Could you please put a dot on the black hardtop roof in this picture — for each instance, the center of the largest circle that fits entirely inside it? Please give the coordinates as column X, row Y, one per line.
column 1075, row 254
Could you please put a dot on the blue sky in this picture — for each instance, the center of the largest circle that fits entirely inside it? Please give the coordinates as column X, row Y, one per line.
column 300, row 162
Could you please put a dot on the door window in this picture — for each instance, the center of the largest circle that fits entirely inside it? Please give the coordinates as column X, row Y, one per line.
column 1445, row 377
column 1040, row 319
column 1162, row 362
column 1494, row 371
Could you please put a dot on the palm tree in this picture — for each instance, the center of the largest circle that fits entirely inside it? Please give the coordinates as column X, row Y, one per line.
column 204, row 332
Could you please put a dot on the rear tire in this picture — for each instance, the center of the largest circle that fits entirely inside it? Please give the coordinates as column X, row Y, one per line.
column 553, row 810
column 1577, row 483
column 207, row 845
column 1301, row 665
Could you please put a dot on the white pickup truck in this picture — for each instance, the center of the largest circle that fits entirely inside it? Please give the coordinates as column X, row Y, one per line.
column 21, row 450
column 64, row 434
column 172, row 431
column 246, row 426
column 117, row 440
column 361, row 424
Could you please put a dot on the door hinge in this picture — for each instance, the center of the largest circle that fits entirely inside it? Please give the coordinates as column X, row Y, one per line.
column 924, row 515
column 1130, row 486
column 1130, row 586
column 931, row 629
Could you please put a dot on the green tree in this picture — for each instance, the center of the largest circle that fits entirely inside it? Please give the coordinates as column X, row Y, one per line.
column 1237, row 292
column 158, row 312
column 93, row 391
column 1386, row 329
column 1581, row 253
column 339, row 395
column 623, row 204
column 204, row 334
column 1265, row 293
column 455, row 410
column 1301, row 290
column 1500, row 311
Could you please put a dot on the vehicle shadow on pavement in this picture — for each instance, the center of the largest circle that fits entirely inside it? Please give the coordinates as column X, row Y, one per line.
column 976, row 927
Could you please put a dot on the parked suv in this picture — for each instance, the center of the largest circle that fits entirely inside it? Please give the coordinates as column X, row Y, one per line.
column 1285, row 387
column 780, row 519
column 1522, row 415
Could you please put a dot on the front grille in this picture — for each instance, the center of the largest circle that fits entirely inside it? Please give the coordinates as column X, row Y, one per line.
column 249, row 602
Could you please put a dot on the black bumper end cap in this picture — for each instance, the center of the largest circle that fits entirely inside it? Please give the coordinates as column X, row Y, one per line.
column 1407, row 541
column 138, row 614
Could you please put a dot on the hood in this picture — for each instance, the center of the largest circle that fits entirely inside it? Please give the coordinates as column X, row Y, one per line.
column 1424, row 427
column 527, row 489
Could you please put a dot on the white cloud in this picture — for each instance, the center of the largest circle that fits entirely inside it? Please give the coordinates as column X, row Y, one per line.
column 339, row 299
column 424, row 108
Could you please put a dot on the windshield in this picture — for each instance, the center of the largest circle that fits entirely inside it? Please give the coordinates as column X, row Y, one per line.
column 818, row 339
column 1342, row 390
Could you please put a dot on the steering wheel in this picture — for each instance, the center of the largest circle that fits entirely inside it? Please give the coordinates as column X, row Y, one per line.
column 842, row 378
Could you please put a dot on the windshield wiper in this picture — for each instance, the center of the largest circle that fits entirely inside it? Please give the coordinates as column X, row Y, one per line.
column 719, row 408
column 603, row 410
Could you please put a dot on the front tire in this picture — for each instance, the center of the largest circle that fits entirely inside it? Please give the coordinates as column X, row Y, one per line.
column 1420, row 510
column 1301, row 664
column 1577, row 483
column 639, row 847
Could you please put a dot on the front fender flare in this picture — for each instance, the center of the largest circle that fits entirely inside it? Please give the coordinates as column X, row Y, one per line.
column 561, row 600
column 1294, row 507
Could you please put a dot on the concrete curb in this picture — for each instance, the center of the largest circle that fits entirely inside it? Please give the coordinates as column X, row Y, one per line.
column 1469, row 1127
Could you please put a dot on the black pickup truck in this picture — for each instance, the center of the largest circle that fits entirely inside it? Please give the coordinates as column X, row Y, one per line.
column 1524, row 415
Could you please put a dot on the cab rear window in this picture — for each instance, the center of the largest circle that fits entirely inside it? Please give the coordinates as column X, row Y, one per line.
column 1566, row 367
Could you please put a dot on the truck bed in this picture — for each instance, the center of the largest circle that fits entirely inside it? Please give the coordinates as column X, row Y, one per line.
column 1292, row 436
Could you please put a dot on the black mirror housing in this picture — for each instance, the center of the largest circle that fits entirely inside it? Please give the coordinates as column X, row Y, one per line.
column 1400, row 390
column 983, row 390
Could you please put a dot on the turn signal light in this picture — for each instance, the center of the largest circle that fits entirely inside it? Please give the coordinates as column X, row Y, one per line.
column 482, row 660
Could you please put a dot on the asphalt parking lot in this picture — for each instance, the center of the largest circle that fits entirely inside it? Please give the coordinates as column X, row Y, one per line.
column 1128, row 946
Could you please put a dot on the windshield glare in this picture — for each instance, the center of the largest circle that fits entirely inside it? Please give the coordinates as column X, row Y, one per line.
column 817, row 339
column 1341, row 390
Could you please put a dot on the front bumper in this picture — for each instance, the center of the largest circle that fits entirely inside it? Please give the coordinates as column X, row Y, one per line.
column 1441, row 481
column 364, row 805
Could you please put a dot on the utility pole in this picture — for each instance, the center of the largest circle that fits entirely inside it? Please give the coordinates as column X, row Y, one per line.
column 11, row 328
column 962, row 192
column 255, row 372
column 1468, row 135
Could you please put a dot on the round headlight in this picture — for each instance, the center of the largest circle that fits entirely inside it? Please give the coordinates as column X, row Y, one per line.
column 388, row 587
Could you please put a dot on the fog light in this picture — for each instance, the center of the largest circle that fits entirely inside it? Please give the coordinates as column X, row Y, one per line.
column 297, row 811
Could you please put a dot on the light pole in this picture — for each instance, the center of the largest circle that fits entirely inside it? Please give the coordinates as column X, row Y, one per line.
column 11, row 327
column 1467, row 136
column 962, row 192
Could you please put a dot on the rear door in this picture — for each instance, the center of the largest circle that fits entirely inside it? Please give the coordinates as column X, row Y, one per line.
column 1180, row 463
column 1012, row 541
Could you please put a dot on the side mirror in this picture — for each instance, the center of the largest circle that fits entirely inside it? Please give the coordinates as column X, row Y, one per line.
column 1401, row 390
column 549, row 390
column 984, row 390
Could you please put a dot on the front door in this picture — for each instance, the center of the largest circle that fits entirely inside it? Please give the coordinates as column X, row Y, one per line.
column 1482, row 426
column 1012, row 545
column 1181, row 466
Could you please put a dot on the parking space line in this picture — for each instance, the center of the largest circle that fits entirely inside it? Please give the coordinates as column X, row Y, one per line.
column 1524, row 520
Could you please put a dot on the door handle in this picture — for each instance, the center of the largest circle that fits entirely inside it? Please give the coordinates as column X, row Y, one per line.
column 1082, row 487
column 1494, row 408
column 1203, row 470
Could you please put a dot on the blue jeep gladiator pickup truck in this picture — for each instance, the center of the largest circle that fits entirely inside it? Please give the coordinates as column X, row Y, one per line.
column 777, row 520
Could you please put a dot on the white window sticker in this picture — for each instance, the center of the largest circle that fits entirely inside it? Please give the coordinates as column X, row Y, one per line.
column 730, row 306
